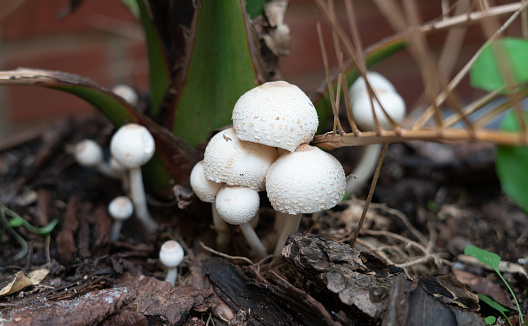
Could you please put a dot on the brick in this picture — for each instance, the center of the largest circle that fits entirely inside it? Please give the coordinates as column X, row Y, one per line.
column 35, row 19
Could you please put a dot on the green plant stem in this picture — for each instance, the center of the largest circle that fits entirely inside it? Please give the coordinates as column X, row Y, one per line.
column 14, row 234
column 513, row 295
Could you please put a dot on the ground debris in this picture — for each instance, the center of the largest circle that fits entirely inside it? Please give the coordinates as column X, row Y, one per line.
column 258, row 301
column 160, row 302
column 359, row 279
column 88, row 309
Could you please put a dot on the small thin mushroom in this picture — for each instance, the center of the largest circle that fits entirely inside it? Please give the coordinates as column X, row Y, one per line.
column 171, row 255
column 133, row 146
column 120, row 209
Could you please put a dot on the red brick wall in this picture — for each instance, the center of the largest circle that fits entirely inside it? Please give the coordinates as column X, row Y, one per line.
column 103, row 42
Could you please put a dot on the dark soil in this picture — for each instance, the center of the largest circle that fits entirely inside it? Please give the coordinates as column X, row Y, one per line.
column 434, row 201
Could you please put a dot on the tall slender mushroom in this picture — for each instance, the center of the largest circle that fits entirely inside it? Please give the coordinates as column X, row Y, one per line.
column 133, row 146
column 305, row 181
column 362, row 110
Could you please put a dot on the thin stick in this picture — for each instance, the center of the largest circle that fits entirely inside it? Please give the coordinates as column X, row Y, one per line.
column 371, row 193
column 221, row 254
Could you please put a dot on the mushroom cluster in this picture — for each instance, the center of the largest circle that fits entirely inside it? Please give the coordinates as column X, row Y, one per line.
column 276, row 117
column 131, row 147
column 387, row 105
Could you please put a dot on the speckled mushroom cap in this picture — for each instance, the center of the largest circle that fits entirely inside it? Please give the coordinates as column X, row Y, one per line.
column 392, row 103
column 237, row 205
column 205, row 189
column 235, row 162
column 171, row 254
column 132, row 145
column 378, row 83
column 305, row 181
column 276, row 114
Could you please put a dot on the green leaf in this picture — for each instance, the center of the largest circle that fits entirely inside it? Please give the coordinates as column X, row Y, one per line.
column 490, row 320
column 494, row 304
column 159, row 72
column 511, row 164
column 488, row 71
column 255, row 8
column 16, row 222
column 221, row 69
column 173, row 160
column 132, row 6
column 489, row 258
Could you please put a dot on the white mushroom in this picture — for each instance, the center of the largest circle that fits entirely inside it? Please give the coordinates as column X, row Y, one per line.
column 171, row 255
column 206, row 190
column 237, row 206
column 120, row 209
column 305, row 181
column 277, row 114
column 394, row 106
column 235, row 162
column 127, row 93
column 133, row 146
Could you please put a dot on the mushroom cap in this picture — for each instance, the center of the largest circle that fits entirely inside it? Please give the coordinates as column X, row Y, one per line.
column 362, row 111
column 205, row 189
column 306, row 181
column 127, row 93
column 171, row 254
column 235, row 162
column 237, row 205
column 276, row 114
column 88, row 153
column 377, row 82
column 120, row 208
column 132, row 145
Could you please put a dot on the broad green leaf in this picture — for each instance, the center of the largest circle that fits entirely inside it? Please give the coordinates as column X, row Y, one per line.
column 489, row 258
column 495, row 305
column 255, row 8
column 221, row 69
column 159, row 72
column 488, row 71
column 321, row 99
column 173, row 160
column 511, row 164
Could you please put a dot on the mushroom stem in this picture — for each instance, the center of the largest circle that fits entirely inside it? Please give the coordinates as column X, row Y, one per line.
column 116, row 230
column 271, row 239
column 364, row 169
column 291, row 224
column 222, row 238
column 172, row 274
column 140, row 201
column 253, row 239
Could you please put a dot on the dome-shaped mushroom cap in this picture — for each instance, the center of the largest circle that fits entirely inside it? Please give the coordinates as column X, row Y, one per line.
column 205, row 189
column 127, row 93
column 132, row 145
column 276, row 114
column 120, row 208
column 305, row 181
column 237, row 205
column 88, row 153
column 171, row 253
column 378, row 83
column 235, row 162
column 362, row 111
